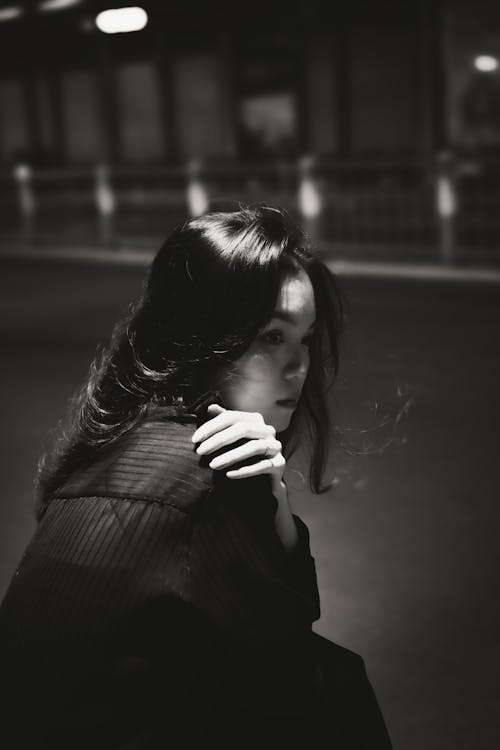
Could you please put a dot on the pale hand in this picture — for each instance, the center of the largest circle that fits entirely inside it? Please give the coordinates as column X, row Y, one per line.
column 229, row 426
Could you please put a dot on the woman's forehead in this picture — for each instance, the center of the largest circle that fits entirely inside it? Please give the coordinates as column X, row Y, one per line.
column 296, row 299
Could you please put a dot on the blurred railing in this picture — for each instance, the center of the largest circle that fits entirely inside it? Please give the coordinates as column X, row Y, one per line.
column 440, row 209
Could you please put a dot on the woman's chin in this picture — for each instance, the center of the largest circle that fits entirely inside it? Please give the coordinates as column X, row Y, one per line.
column 282, row 421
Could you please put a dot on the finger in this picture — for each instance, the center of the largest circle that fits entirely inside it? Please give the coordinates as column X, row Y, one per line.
column 250, row 448
column 219, row 422
column 216, row 408
column 229, row 435
column 262, row 467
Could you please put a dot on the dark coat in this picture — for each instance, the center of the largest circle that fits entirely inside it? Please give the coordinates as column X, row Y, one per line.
column 155, row 607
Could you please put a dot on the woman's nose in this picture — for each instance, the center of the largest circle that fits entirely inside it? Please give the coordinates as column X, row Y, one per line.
column 297, row 366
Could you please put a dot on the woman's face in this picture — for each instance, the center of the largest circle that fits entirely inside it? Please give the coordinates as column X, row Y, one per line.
column 275, row 366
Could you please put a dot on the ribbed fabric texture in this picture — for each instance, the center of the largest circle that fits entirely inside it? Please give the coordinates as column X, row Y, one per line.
column 151, row 575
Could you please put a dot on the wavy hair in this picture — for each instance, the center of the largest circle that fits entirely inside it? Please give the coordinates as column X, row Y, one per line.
column 210, row 289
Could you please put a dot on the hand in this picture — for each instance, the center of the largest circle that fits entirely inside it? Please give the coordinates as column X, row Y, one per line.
column 229, row 426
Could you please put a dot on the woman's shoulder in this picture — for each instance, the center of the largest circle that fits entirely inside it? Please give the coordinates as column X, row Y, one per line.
column 155, row 460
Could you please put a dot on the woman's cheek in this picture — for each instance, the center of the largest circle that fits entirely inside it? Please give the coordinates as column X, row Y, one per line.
column 258, row 366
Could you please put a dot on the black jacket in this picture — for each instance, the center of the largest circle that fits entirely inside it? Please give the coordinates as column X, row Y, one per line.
column 155, row 607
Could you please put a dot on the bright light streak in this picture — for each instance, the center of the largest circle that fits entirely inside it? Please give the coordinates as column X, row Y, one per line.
column 121, row 20
column 48, row 5
column 486, row 63
column 8, row 14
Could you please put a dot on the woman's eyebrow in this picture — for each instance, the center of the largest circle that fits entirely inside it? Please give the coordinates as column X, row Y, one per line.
column 289, row 318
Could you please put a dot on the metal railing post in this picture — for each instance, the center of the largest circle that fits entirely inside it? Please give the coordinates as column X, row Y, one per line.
column 23, row 176
column 196, row 192
column 309, row 199
column 105, row 204
column 446, row 207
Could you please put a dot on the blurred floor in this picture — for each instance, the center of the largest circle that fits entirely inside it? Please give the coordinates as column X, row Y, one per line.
column 406, row 543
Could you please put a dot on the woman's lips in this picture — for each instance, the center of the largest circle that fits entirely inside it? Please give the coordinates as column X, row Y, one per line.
column 287, row 403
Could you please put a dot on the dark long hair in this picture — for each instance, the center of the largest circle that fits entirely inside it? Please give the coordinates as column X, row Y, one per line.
column 212, row 286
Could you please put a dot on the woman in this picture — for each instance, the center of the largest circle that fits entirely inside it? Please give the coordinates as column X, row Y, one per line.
column 167, row 596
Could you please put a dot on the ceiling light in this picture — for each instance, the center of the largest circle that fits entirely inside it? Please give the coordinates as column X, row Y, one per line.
column 49, row 5
column 121, row 20
column 11, row 12
column 486, row 63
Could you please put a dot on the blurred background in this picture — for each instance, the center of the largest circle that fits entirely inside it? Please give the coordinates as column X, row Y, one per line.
column 375, row 124
column 378, row 122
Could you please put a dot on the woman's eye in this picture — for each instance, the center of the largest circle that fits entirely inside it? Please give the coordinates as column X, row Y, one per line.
column 270, row 337
column 275, row 338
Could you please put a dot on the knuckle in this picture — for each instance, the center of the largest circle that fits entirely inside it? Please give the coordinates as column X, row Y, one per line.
column 265, row 443
column 240, row 430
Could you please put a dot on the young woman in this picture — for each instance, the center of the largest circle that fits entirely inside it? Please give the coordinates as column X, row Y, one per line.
column 167, row 596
